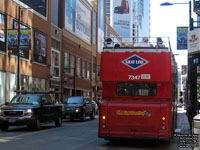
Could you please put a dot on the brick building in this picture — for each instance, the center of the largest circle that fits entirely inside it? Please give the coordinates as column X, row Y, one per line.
column 62, row 55
column 34, row 61
column 78, row 20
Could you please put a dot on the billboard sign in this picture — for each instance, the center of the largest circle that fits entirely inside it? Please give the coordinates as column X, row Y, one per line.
column 194, row 41
column 25, row 39
column 12, row 39
column 78, row 19
column 182, row 38
column 122, row 17
column 101, row 21
column 2, row 28
column 2, row 32
column 25, row 42
column 196, row 6
column 40, row 47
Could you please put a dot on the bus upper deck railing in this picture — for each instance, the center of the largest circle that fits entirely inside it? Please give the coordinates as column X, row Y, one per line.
column 139, row 43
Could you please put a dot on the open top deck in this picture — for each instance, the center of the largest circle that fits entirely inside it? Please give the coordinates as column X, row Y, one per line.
column 149, row 44
column 138, row 61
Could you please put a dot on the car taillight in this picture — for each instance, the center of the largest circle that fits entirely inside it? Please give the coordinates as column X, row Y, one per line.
column 103, row 121
column 163, row 123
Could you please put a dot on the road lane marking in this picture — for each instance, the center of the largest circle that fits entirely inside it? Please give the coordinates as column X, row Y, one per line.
column 9, row 138
column 3, row 141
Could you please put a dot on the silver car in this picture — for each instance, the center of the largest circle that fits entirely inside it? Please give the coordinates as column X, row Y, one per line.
column 95, row 106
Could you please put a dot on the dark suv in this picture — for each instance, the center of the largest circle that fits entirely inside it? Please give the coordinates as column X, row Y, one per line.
column 79, row 107
column 30, row 110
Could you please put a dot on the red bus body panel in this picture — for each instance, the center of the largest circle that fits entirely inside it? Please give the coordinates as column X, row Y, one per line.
column 159, row 66
column 136, row 116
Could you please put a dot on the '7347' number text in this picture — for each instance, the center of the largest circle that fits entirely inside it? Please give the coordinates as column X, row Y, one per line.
column 134, row 77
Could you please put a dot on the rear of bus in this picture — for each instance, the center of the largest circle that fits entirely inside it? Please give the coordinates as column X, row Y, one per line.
column 138, row 95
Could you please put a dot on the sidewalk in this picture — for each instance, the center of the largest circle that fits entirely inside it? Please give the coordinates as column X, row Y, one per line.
column 182, row 121
column 183, row 129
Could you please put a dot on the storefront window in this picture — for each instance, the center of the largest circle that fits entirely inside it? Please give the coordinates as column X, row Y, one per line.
column 22, row 25
column 55, row 57
column 83, row 69
column 98, row 73
column 55, row 44
column 78, row 67
column 66, row 63
column 38, row 5
column 94, row 68
column 72, row 64
column 2, row 87
column 24, row 82
column 88, row 70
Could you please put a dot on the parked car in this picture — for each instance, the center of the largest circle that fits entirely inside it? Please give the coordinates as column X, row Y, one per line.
column 79, row 107
column 95, row 107
column 31, row 110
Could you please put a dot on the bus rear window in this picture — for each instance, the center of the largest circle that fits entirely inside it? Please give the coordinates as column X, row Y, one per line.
column 136, row 89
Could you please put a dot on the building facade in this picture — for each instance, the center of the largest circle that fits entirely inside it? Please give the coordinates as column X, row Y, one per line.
column 62, row 54
column 78, row 21
column 34, row 61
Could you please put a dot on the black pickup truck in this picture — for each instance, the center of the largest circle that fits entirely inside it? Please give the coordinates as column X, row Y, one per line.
column 30, row 110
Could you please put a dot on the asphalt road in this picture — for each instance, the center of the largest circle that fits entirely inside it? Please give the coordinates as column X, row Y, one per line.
column 72, row 136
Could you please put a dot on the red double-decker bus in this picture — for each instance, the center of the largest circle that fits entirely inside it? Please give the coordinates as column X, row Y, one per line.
column 139, row 87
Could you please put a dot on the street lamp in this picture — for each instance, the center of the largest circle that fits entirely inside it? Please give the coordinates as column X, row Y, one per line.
column 18, row 44
column 190, row 12
column 18, row 55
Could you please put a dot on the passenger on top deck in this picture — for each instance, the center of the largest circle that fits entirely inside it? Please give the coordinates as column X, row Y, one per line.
column 159, row 42
column 144, row 43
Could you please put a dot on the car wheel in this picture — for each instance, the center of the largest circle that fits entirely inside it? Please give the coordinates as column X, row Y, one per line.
column 37, row 125
column 4, row 127
column 58, row 122
column 92, row 117
column 83, row 117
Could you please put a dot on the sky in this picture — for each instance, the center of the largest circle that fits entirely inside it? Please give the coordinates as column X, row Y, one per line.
column 165, row 19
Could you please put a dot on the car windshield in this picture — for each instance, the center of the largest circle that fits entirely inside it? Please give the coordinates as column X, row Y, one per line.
column 26, row 100
column 75, row 100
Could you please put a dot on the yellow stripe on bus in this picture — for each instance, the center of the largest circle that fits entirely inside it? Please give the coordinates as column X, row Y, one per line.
column 130, row 113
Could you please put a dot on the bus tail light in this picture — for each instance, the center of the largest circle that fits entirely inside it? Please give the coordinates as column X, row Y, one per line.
column 163, row 123
column 103, row 121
